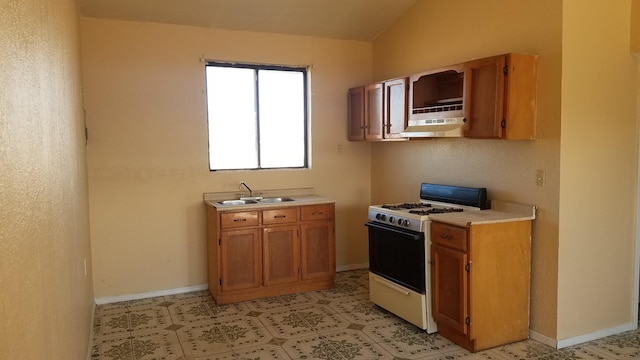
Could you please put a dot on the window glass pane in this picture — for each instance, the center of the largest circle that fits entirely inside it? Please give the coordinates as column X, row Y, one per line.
column 232, row 118
column 282, row 118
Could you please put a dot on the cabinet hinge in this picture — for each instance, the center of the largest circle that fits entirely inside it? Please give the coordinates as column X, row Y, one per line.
column 503, row 123
column 467, row 267
column 467, row 320
column 220, row 281
column 505, row 70
column 219, row 241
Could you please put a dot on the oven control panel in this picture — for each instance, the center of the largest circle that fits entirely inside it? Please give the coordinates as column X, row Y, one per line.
column 395, row 220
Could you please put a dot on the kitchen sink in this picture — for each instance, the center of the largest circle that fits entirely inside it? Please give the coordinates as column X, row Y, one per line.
column 275, row 200
column 237, row 202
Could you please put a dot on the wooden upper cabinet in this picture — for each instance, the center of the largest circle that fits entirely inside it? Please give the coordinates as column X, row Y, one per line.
column 378, row 111
column 355, row 105
column 500, row 97
column 373, row 111
column 395, row 108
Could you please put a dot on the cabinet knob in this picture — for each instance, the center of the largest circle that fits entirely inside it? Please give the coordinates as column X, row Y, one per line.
column 445, row 236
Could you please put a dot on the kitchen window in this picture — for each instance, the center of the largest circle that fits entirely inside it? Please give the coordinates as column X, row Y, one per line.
column 257, row 116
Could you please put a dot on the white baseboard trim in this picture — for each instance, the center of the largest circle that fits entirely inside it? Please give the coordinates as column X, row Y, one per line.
column 352, row 267
column 559, row 344
column 542, row 339
column 138, row 296
column 596, row 335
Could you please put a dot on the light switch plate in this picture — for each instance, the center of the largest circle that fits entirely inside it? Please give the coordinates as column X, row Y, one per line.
column 540, row 177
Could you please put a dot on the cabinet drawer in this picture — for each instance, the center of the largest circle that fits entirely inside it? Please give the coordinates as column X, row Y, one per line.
column 238, row 219
column 279, row 216
column 448, row 235
column 317, row 212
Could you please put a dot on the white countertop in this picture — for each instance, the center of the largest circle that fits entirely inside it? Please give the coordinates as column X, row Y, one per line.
column 301, row 197
column 500, row 212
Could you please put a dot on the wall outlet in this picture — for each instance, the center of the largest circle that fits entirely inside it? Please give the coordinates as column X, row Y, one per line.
column 540, row 177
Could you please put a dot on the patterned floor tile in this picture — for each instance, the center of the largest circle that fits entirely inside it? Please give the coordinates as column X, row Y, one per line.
column 360, row 311
column 337, row 345
column 302, row 320
column 117, row 321
column 338, row 323
column 263, row 352
column 196, row 310
column 153, row 345
column 406, row 341
column 204, row 295
column 230, row 334
column 280, row 302
column 622, row 346
column 125, row 305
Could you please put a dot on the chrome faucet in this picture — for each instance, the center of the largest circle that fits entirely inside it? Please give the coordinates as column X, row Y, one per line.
column 248, row 188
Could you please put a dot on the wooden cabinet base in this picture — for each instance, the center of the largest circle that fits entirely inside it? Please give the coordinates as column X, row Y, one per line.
column 270, row 291
column 474, row 345
column 457, row 338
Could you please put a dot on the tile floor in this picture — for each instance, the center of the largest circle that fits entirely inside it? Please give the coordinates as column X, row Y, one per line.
column 334, row 324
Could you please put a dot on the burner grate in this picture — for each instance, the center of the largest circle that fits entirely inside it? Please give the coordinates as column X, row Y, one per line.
column 404, row 206
column 435, row 211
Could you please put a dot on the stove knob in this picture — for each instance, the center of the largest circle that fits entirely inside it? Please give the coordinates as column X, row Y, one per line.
column 378, row 216
column 383, row 217
column 399, row 222
column 405, row 222
column 392, row 219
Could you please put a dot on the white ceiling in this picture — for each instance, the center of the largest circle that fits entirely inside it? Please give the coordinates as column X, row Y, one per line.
column 339, row 19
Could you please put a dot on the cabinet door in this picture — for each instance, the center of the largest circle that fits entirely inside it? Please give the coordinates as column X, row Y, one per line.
column 449, row 281
column 484, row 89
column 395, row 111
column 317, row 250
column 240, row 259
column 373, row 111
column 281, row 249
column 355, row 117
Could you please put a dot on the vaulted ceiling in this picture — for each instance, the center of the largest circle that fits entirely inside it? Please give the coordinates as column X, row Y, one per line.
column 339, row 19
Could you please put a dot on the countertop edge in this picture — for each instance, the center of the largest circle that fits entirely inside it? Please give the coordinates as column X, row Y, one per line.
column 501, row 212
column 297, row 201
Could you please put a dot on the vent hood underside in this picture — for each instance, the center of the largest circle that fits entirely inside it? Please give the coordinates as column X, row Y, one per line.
column 446, row 127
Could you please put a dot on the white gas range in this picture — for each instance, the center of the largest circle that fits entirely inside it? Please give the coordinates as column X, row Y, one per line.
column 399, row 249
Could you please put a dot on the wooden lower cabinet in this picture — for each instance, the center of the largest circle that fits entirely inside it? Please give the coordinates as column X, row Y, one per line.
column 270, row 252
column 243, row 252
column 281, row 247
column 480, row 282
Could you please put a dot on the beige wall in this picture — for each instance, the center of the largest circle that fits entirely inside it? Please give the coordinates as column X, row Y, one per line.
column 507, row 168
column 46, row 299
column 147, row 152
column 635, row 26
column 598, row 157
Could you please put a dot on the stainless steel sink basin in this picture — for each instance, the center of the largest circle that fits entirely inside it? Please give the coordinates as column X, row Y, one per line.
column 275, row 200
column 236, row 202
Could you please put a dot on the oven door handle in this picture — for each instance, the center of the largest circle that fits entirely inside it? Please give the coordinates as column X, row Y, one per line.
column 393, row 287
column 412, row 234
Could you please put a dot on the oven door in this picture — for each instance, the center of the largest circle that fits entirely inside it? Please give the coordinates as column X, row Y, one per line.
column 398, row 255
